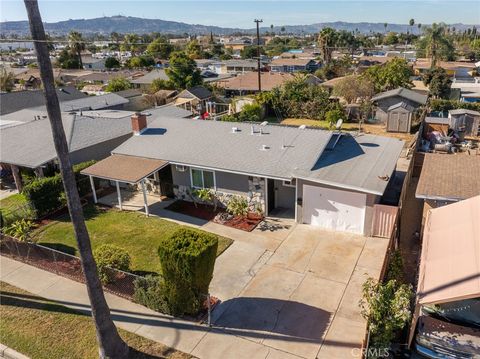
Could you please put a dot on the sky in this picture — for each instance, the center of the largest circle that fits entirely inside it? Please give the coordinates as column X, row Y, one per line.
column 231, row 13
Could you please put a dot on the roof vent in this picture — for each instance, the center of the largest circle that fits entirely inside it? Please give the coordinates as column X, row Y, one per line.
column 235, row 130
column 264, row 148
column 302, row 127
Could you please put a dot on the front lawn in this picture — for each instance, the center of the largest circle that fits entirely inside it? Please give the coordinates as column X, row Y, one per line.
column 42, row 329
column 133, row 231
column 15, row 207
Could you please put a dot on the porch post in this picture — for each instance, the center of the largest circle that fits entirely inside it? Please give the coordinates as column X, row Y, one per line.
column 145, row 197
column 119, row 195
column 93, row 189
column 17, row 177
column 39, row 172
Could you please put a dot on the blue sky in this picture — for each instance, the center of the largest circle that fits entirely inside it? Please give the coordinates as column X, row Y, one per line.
column 230, row 13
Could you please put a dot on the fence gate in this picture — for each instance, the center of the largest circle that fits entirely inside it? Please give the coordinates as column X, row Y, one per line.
column 384, row 218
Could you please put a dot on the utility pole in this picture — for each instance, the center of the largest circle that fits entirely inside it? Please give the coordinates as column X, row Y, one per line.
column 258, row 55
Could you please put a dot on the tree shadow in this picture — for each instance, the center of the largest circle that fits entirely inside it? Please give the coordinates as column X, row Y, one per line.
column 60, row 247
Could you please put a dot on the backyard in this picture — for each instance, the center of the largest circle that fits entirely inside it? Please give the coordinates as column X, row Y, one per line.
column 43, row 329
column 137, row 234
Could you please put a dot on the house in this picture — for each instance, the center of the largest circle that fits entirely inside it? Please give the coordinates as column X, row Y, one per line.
column 317, row 177
column 19, row 100
column 92, row 63
column 447, row 303
column 144, row 82
column 396, row 107
column 467, row 90
column 467, row 120
column 235, row 66
column 248, row 82
column 446, row 179
column 194, row 99
column 91, row 135
column 293, row 65
column 94, row 89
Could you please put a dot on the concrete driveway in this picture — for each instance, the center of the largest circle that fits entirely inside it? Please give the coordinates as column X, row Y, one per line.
column 298, row 300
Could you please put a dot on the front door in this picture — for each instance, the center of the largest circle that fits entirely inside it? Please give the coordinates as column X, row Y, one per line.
column 271, row 195
column 166, row 181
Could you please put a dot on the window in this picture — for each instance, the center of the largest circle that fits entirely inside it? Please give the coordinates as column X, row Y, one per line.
column 202, row 178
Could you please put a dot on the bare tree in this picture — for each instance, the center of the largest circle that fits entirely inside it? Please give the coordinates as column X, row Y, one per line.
column 109, row 341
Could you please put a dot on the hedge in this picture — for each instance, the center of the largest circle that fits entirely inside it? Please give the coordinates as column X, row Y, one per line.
column 446, row 105
column 150, row 292
column 111, row 256
column 187, row 259
column 46, row 194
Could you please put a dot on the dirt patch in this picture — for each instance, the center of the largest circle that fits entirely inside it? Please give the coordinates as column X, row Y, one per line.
column 207, row 213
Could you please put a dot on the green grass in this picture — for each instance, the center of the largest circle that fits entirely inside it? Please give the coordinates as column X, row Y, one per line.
column 134, row 232
column 15, row 200
column 42, row 329
column 15, row 207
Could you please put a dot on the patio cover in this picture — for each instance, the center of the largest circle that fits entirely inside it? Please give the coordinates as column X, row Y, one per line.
column 450, row 262
column 123, row 168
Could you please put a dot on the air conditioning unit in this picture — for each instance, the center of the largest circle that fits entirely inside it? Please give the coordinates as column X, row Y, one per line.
column 180, row 168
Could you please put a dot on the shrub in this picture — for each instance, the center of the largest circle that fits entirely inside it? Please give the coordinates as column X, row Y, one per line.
column 446, row 105
column 20, row 230
column 150, row 292
column 83, row 182
column 386, row 306
column 110, row 256
column 238, row 206
column 187, row 258
column 333, row 116
column 251, row 112
column 45, row 194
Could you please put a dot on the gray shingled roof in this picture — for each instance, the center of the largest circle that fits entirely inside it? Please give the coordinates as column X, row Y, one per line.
column 93, row 102
column 401, row 104
column 462, row 111
column 31, row 145
column 199, row 92
column 152, row 75
column 291, row 152
column 402, row 92
column 19, row 100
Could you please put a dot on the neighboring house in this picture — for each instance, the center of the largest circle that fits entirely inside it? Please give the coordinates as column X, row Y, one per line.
column 467, row 120
column 235, row 66
column 94, row 89
column 467, row 90
column 455, row 69
column 105, row 77
column 447, row 303
column 293, row 65
column 445, row 179
column 19, row 100
column 396, row 107
column 110, row 101
column 91, row 135
column 317, row 177
column 144, row 82
column 248, row 83
column 237, row 45
column 194, row 99
column 92, row 63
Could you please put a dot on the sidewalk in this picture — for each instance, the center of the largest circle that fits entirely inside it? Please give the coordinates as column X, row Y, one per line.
column 182, row 335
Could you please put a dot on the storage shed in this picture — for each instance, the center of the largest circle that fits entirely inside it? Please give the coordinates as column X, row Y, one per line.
column 462, row 119
column 399, row 117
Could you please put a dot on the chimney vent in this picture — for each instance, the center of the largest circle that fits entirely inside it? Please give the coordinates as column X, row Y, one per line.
column 139, row 123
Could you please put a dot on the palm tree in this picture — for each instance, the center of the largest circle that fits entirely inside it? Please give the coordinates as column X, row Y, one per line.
column 109, row 341
column 435, row 42
column 326, row 40
column 77, row 45
column 271, row 29
column 385, row 27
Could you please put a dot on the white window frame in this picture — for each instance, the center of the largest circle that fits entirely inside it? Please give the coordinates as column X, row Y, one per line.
column 203, row 180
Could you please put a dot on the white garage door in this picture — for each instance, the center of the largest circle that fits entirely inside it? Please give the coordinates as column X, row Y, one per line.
column 334, row 209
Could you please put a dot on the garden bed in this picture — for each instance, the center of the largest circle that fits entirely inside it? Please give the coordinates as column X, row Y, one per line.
column 206, row 212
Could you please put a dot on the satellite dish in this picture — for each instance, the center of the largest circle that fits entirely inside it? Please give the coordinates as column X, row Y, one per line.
column 339, row 124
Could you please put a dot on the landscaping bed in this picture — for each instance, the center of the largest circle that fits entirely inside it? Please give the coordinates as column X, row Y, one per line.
column 206, row 212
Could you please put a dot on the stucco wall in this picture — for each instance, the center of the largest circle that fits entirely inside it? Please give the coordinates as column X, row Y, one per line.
column 370, row 201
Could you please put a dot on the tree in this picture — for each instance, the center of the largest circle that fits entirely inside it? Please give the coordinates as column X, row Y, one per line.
column 411, row 23
column 161, row 84
column 118, row 84
column 110, row 343
column 326, row 41
column 438, row 82
column 436, row 45
column 194, row 50
column 140, row 61
column 132, row 43
column 77, row 45
column 183, row 71
column 160, row 48
column 390, row 39
column 385, row 25
column 250, row 52
column 7, row 81
column 66, row 60
column 333, row 116
column 353, row 88
column 112, row 62
column 395, row 73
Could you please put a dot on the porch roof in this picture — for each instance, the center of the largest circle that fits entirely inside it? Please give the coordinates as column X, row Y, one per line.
column 124, row 168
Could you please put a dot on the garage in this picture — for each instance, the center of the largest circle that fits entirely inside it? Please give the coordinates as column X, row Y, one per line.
column 334, row 209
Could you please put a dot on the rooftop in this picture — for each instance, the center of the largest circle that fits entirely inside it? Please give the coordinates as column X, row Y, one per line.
column 152, row 75
column 449, row 177
column 249, row 81
column 402, row 92
column 290, row 62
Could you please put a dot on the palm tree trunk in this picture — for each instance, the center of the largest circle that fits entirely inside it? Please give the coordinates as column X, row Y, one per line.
column 109, row 341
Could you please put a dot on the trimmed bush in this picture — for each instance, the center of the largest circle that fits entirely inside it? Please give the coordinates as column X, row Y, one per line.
column 45, row 194
column 150, row 292
column 110, row 256
column 83, row 182
column 238, row 206
column 187, row 258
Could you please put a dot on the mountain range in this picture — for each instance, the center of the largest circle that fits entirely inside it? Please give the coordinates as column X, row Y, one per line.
column 128, row 24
